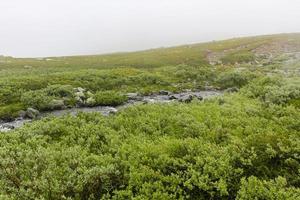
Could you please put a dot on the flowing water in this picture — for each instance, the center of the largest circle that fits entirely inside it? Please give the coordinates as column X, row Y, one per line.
column 106, row 110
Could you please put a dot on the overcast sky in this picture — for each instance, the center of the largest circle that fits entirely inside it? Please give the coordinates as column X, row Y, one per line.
column 32, row 28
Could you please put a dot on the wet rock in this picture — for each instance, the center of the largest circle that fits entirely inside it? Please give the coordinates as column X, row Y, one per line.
column 164, row 92
column 186, row 98
column 173, row 97
column 32, row 113
column 199, row 97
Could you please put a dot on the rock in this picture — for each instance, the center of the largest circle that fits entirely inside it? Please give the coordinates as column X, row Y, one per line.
column 199, row 97
column 90, row 101
column 79, row 101
column 232, row 89
column 32, row 113
column 164, row 92
column 186, row 98
column 79, row 89
column 134, row 96
column 80, row 94
column 22, row 113
column 173, row 97
column 57, row 104
column 89, row 94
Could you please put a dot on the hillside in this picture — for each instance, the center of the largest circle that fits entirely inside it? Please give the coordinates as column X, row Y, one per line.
column 242, row 143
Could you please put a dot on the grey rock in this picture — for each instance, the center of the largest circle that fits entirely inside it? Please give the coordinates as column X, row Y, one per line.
column 22, row 113
column 79, row 89
column 173, row 97
column 164, row 92
column 32, row 113
column 186, row 98
column 90, row 101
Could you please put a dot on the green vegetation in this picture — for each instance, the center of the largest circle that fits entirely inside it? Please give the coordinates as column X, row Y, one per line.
column 242, row 145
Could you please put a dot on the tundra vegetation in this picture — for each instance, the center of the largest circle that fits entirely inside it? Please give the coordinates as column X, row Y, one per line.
column 241, row 145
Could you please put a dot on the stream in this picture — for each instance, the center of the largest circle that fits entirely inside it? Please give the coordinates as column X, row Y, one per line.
column 134, row 98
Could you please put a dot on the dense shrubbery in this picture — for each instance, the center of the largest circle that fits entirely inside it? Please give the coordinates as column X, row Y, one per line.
column 204, row 150
column 235, row 79
column 275, row 90
column 109, row 98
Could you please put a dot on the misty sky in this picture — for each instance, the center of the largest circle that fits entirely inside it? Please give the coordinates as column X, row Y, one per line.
column 32, row 28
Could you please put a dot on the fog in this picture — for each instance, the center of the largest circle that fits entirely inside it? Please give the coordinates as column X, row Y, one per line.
column 35, row 28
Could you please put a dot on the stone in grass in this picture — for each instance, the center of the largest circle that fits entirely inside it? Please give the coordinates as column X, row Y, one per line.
column 32, row 113
column 90, row 102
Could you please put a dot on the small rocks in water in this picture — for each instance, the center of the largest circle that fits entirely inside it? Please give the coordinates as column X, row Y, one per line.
column 32, row 113
column 199, row 97
column 186, row 98
column 164, row 92
column 172, row 97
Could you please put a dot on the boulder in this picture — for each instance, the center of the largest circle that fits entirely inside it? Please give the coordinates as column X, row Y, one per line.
column 186, row 98
column 22, row 113
column 164, row 92
column 80, row 94
column 173, row 97
column 199, row 97
column 32, row 113
column 79, row 89
column 57, row 104
column 79, row 101
column 90, row 101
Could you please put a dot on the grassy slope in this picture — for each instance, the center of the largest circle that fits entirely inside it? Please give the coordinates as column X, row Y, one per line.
column 175, row 68
column 239, row 146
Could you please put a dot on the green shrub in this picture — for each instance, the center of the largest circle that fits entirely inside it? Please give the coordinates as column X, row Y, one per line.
column 109, row 98
column 234, row 79
column 10, row 111
column 253, row 188
column 37, row 99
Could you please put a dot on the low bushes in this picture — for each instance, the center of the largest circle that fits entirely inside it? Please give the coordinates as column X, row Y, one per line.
column 202, row 150
column 109, row 98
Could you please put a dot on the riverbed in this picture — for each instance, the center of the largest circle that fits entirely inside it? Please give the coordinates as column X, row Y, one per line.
column 107, row 110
